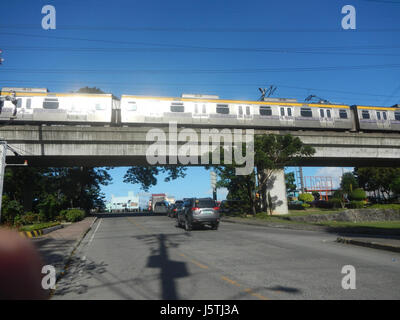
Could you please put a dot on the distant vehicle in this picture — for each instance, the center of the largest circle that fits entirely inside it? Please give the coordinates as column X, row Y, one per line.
column 197, row 212
column 160, row 207
column 174, row 208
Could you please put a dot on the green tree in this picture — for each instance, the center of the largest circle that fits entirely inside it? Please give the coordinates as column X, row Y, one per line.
column 272, row 153
column 146, row 176
column 290, row 183
column 348, row 182
column 379, row 180
column 240, row 187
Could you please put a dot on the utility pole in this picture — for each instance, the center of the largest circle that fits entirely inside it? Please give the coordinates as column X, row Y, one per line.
column 213, row 177
column 3, row 151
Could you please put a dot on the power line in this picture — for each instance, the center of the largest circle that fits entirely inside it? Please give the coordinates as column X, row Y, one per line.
column 92, row 50
column 124, row 84
column 202, row 71
column 196, row 29
column 181, row 46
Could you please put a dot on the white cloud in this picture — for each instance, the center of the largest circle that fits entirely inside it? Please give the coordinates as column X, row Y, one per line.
column 334, row 172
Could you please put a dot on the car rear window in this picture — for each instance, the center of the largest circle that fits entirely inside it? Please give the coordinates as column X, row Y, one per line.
column 204, row 203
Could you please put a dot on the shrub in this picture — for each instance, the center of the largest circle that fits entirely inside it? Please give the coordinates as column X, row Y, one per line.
column 305, row 205
column 295, row 205
column 357, row 195
column 49, row 207
column 306, row 197
column 63, row 214
column 74, row 215
column 30, row 218
column 10, row 209
column 335, row 202
column 356, row 204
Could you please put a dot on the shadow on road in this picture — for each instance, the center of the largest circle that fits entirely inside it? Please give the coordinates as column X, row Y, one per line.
column 169, row 269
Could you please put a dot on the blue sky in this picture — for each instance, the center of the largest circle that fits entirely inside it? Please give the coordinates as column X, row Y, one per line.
column 171, row 47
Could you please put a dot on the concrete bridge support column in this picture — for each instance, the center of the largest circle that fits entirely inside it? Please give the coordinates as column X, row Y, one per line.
column 277, row 190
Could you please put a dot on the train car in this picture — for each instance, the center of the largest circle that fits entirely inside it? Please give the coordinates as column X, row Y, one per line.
column 210, row 110
column 41, row 106
column 370, row 118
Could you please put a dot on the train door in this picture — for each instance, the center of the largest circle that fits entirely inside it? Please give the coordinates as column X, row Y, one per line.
column 240, row 113
column 326, row 118
column 382, row 120
column 248, row 115
column 286, row 116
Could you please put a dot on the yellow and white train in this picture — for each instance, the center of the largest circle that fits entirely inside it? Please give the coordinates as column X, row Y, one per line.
column 29, row 105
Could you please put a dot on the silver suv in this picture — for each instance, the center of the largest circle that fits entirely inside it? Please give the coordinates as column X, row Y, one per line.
column 197, row 212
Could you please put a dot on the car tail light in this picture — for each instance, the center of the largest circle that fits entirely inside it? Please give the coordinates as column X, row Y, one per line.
column 194, row 209
column 216, row 208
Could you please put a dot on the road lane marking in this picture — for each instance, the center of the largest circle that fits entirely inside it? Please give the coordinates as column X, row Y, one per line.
column 199, row 264
column 259, row 296
column 91, row 239
column 231, row 281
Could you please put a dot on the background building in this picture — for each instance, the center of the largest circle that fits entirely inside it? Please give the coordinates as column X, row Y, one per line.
column 123, row 204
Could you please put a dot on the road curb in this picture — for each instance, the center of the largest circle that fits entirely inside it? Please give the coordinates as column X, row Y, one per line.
column 72, row 251
column 41, row 232
column 276, row 225
column 31, row 234
column 369, row 244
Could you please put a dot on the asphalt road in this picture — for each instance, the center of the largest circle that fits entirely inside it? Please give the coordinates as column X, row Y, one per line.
column 147, row 257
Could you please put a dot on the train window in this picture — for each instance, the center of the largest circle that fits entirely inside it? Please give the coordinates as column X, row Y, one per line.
column 19, row 103
column 306, row 112
column 248, row 110
column 196, row 108
column 343, row 114
column 265, row 111
column 289, row 112
column 321, row 112
column 384, row 115
column 328, row 113
column 378, row 115
column 365, row 114
column 397, row 115
column 282, row 111
column 100, row 106
column 177, row 107
column 223, row 108
column 28, row 103
column 50, row 103
column 204, row 108
column 132, row 106
column 240, row 110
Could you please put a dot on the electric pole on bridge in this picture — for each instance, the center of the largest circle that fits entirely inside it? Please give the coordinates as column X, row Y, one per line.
column 213, row 177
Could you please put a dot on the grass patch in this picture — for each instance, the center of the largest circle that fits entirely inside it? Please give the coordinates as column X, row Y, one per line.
column 39, row 226
column 385, row 206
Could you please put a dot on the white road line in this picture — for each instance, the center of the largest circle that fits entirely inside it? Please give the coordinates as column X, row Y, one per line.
column 91, row 239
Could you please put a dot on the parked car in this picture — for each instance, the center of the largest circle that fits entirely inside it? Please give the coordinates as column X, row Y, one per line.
column 198, row 212
column 161, row 207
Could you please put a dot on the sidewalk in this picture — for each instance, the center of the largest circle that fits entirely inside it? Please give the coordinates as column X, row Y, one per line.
column 57, row 247
column 376, row 241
